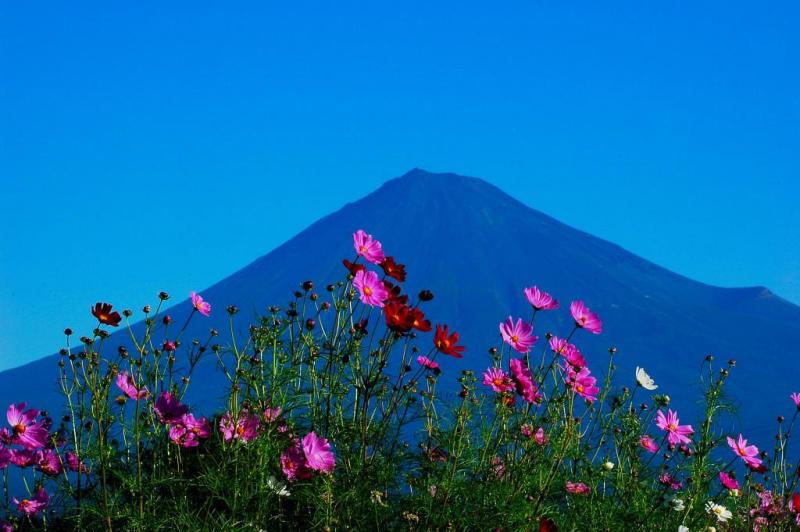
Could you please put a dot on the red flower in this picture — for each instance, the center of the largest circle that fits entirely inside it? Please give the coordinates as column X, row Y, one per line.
column 394, row 293
column 419, row 321
column 352, row 268
column 796, row 502
column 547, row 525
column 393, row 269
column 102, row 311
column 398, row 317
column 445, row 343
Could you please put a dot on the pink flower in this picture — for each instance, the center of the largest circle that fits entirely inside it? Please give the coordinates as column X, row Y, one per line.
column 585, row 318
column 272, row 414
column 245, row 429
column 518, row 335
column 6, row 527
column 728, row 481
column 748, row 453
column 25, row 429
column 128, row 387
column 498, row 468
column 31, row 507
column 427, row 363
column 370, row 288
column 189, row 431
column 578, row 488
column 540, row 437
column 796, row 398
column 668, row 480
column 526, row 430
column 74, row 464
column 169, row 409
column 582, row 383
column 368, row 247
column 47, row 462
column 539, row 299
column 318, row 453
column 294, row 465
column 648, row 444
column 523, row 380
column 5, row 457
column 569, row 351
column 498, row 380
column 677, row 433
column 23, row 458
column 203, row 307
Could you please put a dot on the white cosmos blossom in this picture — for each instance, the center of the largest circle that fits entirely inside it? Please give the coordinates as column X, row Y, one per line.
column 279, row 488
column 682, row 528
column 677, row 504
column 722, row 513
column 608, row 466
column 645, row 380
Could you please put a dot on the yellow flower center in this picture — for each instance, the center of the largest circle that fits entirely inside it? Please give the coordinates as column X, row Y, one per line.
column 515, row 338
column 367, row 291
column 672, row 427
column 19, row 428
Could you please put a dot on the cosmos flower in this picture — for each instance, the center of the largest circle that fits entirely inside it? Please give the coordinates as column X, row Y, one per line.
column 34, row 505
column 577, row 488
column 352, row 267
column 368, row 247
column 748, row 453
column 318, row 453
column 244, row 429
column 47, row 462
column 523, row 381
column 277, row 487
column 728, row 481
column 644, row 380
column 189, row 431
column 676, row 433
column 498, row 380
column 418, row 320
column 444, row 342
column 540, row 437
column 585, row 318
column 73, row 464
column 518, row 335
column 203, row 307
column 126, row 384
column 539, row 299
column 582, row 383
column 370, row 288
column 398, row 317
column 25, row 429
column 669, row 480
column 569, row 351
column 103, row 313
column 393, row 269
column 720, row 512
column 796, row 398
column 427, row 363
column 648, row 444
column 168, row 409
column 294, row 465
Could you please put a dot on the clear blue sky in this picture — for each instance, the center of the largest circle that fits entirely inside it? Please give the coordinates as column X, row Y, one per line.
column 153, row 147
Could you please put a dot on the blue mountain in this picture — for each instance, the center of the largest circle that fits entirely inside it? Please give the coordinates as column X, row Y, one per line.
column 476, row 248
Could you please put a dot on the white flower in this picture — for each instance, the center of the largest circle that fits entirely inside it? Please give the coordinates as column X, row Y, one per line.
column 677, row 504
column 722, row 513
column 683, row 528
column 279, row 488
column 608, row 465
column 711, row 529
column 645, row 380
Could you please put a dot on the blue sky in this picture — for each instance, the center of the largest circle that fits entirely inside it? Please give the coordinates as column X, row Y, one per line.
column 164, row 147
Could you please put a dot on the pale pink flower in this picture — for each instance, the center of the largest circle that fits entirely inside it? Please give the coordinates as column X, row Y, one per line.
column 796, row 398
column 244, row 429
column 34, row 505
column 748, row 453
column 648, row 444
column 272, row 414
column 498, row 380
column 539, row 299
column 676, row 433
column 518, row 335
column 370, row 288
column 578, row 488
column 368, row 247
column 728, row 481
column 582, row 383
column 126, row 383
column 26, row 430
column 203, row 307
column 318, row 453
column 585, row 318
column 521, row 375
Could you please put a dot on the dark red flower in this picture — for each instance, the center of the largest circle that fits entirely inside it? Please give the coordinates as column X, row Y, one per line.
column 395, row 293
column 446, row 343
column 102, row 311
column 419, row 321
column 352, row 268
column 393, row 269
column 547, row 525
column 796, row 502
column 398, row 317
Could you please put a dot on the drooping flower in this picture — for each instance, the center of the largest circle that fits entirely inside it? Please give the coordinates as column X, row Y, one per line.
column 577, row 488
column 418, row 320
column 539, row 299
column 444, row 342
column 498, row 380
column 585, row 318
column 518, row 335
column 128, row 386
column 398, row 317
column 294, row 465
column 245, row 428
column 677, row 433
column 648, row 444
column 169, row 409
column 370, row 288
column 34, row 505
column 73, row 464
column 353, row 268
column 427, row 363
column 796, row 398
column 720, row 512
column 523, row 381
column 669, row 480
column 728, row 481
column 203, row 307
column 368, row 247
column 47, row 462
column 104, row 314
column 26, row 430
column 393, row 269
column 318, row 453
column 569, row 351
column 582, row 383
column 644, row 380
column 748, row 453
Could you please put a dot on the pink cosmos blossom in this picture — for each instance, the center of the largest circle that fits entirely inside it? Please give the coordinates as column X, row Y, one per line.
column 294, row 465
column 169, row 409
column 582, row 383
column 272, row 414
column 728, row 481
column 540, row 437
column 370, row 288
column 201, row 306
column 25, row 429
column 748, row 453
column 34, row 505
column 669, row 480
column 368, row 247
column 48, row 462
column 318, row 453
column 5, row 457
column 526, row 430
column 518, row 335
column 677, row 433
column 578, row 488
column 427, row 363
column 569, row 351
column 245, row 428
column 498, row 380
column 796, row 398
column 498, row 468
column 74, row 464
column 539, row 299
column 585, row 318
column 6, row 527
column 126, row 384
column 189, row 431
column 523, row 380
column 648, row 444
column 23, row 457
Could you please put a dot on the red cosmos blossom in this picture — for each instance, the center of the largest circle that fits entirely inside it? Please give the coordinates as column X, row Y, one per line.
column 103, row 313
column 585, row 318
column 446, row 343
column 796, row 501
column 547, row 525
column 419, row 321
column 353, row 268
column 393, row 269
column 398, row 317
column 395, row 293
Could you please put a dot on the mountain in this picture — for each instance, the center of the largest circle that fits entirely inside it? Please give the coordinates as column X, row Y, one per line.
column 476, row 248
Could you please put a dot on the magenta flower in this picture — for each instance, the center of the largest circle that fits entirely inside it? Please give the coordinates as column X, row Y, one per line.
column 318, row 453
column 648, row 444
column 189, row 431
column 294, row 465
column 245, row 428
column 33, row 506
column 585, row 318
column 582, row 383
column 6, row 527
column 203, row 307
column 498, row 467
column 427, row 363
column 728, row 481
column 23, row 457
column 796, row 398
column 569, row 351
column 539, row 299
column 74, row 464
column 47, row 462
column 518, row 335
column 272, row 414
column 25, row 429
column 748, row 453
column 540, row 437
column 578, row 488
column 498, row 380
column 370, row 288
column 168, row 409
column 126, row 384
column 521, row 375
column 669, row 480
column 5, row 457
column 368, row 247
column 676, row 433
